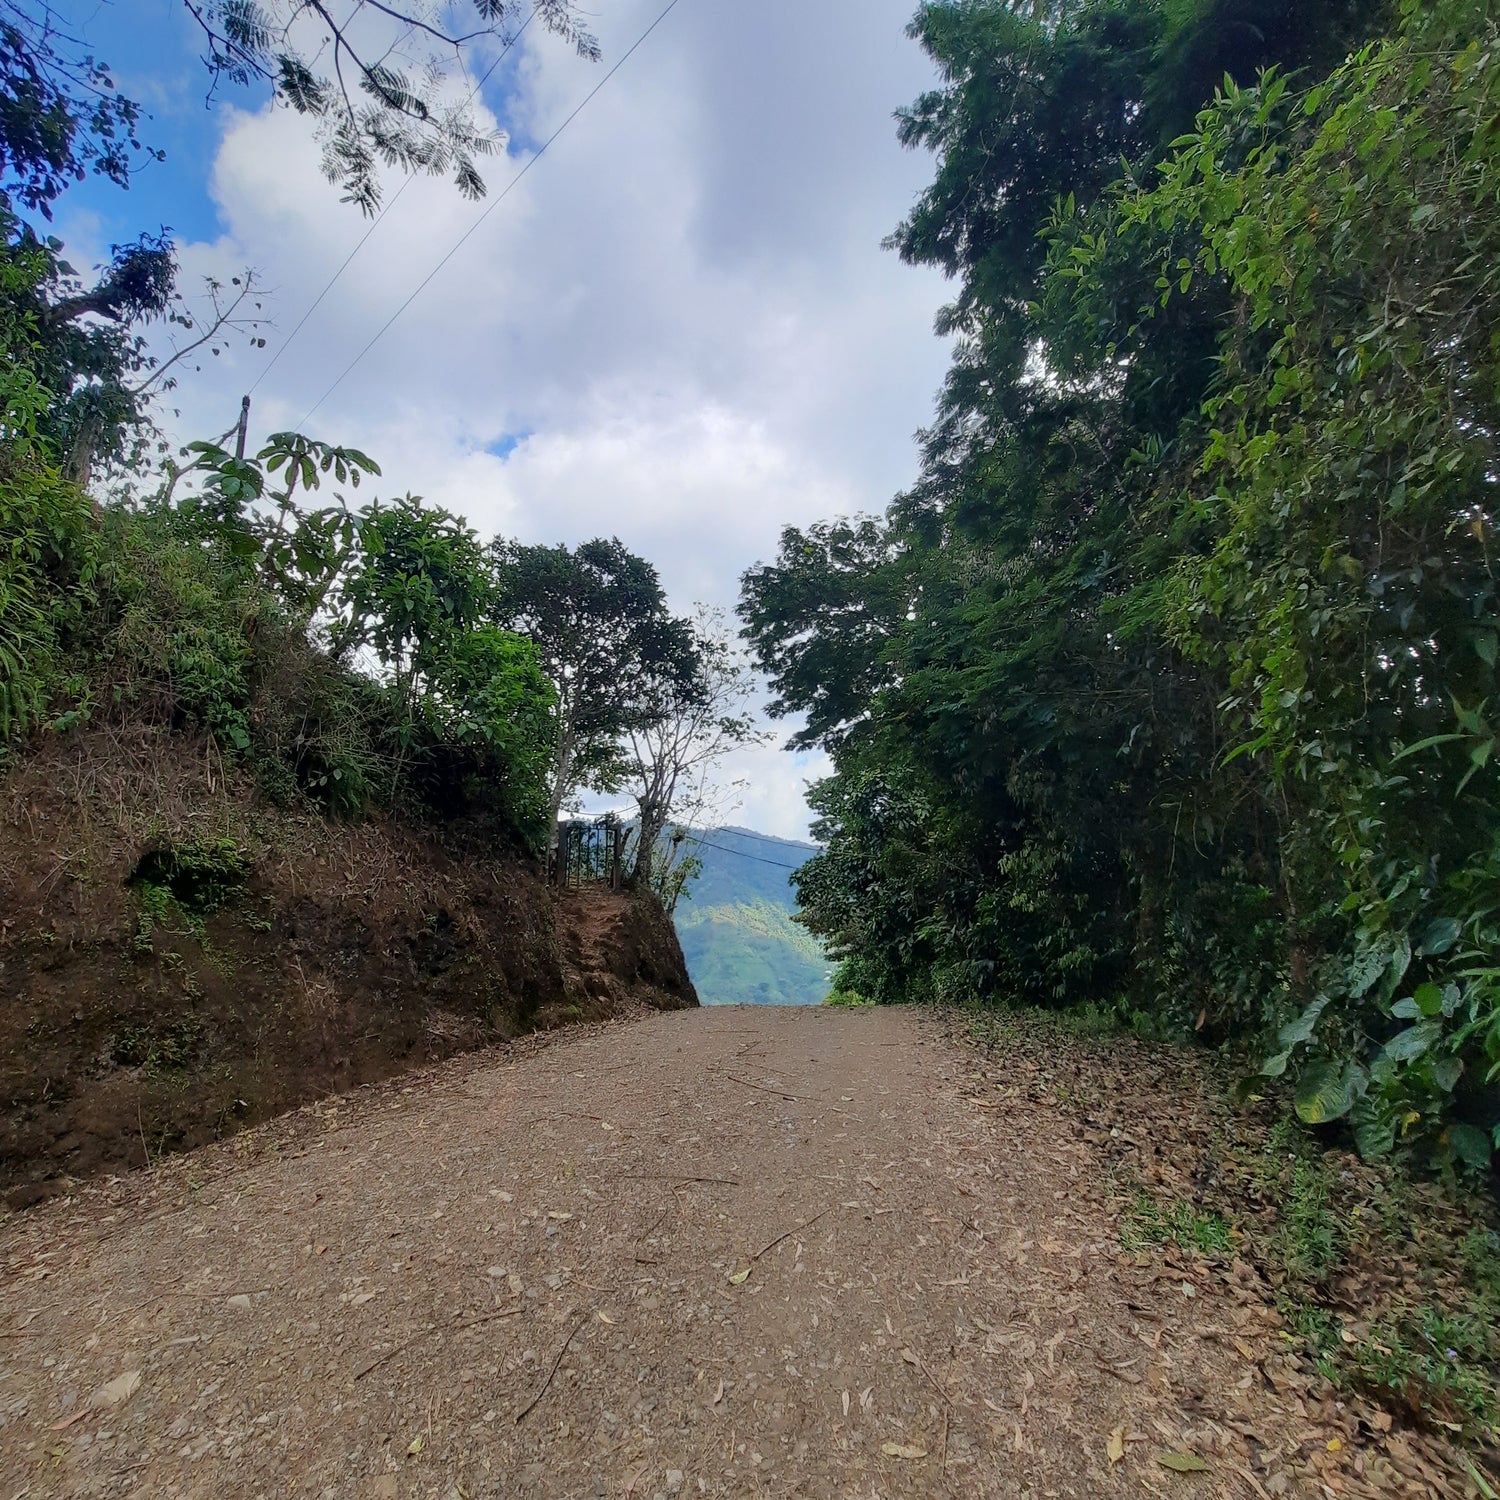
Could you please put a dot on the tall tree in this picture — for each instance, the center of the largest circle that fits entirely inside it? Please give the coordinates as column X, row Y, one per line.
column 678, row 738
column 613, row 652
column 1171, row 681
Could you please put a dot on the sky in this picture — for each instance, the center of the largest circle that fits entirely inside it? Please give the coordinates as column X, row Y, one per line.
column 679, row 327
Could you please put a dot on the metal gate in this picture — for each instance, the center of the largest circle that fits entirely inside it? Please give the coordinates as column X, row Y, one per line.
column 590, row 851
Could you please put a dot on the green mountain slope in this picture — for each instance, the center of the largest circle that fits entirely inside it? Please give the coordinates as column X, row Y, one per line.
column 735, row 923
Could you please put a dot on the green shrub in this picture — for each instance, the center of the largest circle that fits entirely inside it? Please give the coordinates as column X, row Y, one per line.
column 48, row 556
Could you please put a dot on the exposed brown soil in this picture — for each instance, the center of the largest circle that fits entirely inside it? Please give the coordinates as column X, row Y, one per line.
column 346, row 954
column 727, row 1252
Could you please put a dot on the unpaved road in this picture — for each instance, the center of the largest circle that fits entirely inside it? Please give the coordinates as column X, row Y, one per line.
column 524, row 1276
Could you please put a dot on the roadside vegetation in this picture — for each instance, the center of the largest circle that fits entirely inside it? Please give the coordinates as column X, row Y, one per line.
column 1170, row 686
column 353, row 654
column 1385, row 1287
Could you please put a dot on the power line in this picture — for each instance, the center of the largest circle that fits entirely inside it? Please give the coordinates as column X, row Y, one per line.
column 385, row 327
column 388, row 205
column 740, row 853
column 764, row 838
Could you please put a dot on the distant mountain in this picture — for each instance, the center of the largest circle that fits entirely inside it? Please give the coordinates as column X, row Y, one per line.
column 735, row 923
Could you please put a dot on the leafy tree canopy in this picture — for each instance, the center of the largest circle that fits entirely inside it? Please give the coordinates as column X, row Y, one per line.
column 1171, row 683
column 607, row 641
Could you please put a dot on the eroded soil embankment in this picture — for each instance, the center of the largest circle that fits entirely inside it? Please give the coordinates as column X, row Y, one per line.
column 178, row 959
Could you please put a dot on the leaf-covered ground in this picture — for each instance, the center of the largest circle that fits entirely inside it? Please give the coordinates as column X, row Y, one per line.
column 733, row 1252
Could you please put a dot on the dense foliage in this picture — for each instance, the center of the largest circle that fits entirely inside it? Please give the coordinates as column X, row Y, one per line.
column 1172, row 681
column 327, row 649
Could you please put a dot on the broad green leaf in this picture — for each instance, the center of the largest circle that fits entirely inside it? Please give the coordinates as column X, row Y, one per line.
column 1446, row 1072
column 1429, row 999
column 1374, row 1129
column 1407, row 1045
column 1395, row 972
column 1302, row 1028
column 1470, row 1145
column 1327, row 1091
column 1439, row 936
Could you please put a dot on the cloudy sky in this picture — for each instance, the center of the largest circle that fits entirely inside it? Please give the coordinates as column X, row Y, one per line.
column 679, row 328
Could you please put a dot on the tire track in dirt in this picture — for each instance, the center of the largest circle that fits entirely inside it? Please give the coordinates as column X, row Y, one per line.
column 527, row 1277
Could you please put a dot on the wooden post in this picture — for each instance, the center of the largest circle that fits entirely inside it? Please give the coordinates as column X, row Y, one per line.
column 242, row 428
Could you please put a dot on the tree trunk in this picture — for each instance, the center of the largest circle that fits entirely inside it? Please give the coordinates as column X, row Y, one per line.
column 653, row 820
column 562, row 764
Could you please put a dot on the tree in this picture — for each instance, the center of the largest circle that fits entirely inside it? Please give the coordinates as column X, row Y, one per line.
column 609, row 646
column 820, row 619
column 1171, row 683
column 61, row 119
column 376, row 80
column 418, row 579
column 678, row 737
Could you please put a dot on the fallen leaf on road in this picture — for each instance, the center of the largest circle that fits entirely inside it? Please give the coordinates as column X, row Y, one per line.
column 77, row 1416
column 121, row 1388
column 605, row 1318
column 1182, row 1463
column 1115, row 1447
column 555, row 1215
column 846, row 1403
column 414, row 1447
column 739, row 1278
column 719, row 1394
column 902, row 1450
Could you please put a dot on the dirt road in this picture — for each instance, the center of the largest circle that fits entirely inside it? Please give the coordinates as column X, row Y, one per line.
column 733, row 1252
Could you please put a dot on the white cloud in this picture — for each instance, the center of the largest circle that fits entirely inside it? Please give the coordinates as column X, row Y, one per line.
column 678, row 328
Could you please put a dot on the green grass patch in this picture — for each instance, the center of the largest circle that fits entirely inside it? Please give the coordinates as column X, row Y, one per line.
column 1149, row 1223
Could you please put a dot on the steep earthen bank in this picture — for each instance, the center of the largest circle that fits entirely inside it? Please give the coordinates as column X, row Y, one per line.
column 179, row 959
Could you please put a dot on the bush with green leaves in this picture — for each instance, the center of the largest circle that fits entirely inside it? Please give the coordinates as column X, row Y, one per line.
column 48, row 543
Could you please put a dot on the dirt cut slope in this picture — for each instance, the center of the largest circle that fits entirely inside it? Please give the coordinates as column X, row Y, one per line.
column 179, row 959
column 735, row 1252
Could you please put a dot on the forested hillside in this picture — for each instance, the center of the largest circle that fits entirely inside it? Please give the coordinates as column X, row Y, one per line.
column 1170, row 686
column 735, row 920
